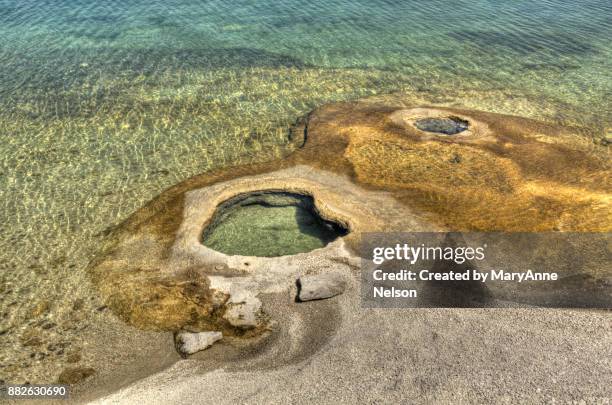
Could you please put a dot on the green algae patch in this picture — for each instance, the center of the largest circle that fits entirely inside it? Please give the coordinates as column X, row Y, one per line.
column 269, row 224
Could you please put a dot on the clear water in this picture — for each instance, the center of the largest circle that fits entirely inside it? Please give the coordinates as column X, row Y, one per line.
column 269, row 224
column 265, row 231
column 103, row 104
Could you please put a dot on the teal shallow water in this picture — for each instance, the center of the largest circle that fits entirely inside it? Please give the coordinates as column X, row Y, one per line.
column 104, row 104
column 554, row 48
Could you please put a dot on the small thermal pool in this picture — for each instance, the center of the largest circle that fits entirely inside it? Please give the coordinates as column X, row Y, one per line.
column 445, row 126
column 269, row 224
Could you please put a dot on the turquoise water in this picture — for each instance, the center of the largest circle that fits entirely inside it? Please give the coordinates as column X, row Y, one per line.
column 554, row 48
column 103, row 104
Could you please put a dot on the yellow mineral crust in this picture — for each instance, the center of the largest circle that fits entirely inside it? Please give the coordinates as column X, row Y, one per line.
column 369, row 166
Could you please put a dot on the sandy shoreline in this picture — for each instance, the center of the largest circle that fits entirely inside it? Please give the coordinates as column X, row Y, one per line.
column 391, row 355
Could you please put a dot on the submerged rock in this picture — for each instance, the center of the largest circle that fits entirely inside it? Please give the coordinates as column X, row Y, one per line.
column 189, row 343
column 607, row 138
column 320, row 286
column 74, row 375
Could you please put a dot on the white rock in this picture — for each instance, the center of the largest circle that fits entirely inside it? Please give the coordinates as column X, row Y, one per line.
column 320, row 286
column 242, row 309
column 190, row 343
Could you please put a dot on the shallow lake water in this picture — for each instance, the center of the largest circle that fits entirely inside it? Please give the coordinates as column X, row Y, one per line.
column 105, row 104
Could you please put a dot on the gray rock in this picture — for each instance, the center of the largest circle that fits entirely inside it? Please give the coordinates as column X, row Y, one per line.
column 320, row 286
column 189, row 343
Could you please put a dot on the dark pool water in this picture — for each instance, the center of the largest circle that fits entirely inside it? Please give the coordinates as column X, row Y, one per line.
column 445, row 126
